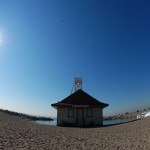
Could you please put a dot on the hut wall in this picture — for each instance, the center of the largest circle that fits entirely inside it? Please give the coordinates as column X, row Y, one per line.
column 96, row 118
column 63, row 116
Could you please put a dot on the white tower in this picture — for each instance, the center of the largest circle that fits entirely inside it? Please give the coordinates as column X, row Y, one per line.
column 77, row 84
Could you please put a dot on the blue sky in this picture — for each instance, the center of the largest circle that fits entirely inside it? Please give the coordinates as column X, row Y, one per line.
column 45, row 44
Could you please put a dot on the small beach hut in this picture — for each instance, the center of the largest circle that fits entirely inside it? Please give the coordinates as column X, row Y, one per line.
column 79, row 109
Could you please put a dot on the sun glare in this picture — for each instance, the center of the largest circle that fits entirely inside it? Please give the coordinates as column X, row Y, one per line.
column 1, row 39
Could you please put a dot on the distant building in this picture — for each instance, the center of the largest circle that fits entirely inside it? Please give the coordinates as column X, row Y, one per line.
column 79, row 109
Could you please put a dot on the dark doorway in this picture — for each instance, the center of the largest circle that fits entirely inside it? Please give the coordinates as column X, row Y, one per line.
column 80, row 117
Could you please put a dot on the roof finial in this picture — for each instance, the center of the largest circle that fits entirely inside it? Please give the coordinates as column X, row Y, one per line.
column 77, row 84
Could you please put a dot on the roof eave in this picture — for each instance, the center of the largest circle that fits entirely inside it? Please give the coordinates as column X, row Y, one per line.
column 58, row 105
column 105, row 105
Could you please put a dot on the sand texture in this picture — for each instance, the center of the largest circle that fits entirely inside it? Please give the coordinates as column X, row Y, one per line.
column 20, row 134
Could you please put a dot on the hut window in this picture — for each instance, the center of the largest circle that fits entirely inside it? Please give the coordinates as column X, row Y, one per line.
column 70, row 112
column 89, row 112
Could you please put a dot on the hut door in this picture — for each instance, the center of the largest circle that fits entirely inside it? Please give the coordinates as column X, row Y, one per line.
column 80, row 116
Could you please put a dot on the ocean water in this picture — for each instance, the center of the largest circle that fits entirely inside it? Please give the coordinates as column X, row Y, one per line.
column 118, row 121
column 105, row 122
column 53, row 122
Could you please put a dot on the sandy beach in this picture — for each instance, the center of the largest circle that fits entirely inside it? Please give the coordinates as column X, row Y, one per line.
column 19, row 134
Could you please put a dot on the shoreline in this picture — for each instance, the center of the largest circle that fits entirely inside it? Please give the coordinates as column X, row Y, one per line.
column 132, row 115
column 105, row 122
column 25, row 116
